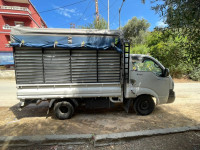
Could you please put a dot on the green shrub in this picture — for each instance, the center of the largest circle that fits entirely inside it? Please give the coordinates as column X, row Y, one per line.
column 140, row 49
column 171, row 50
column 195, row 74
column 177, row 71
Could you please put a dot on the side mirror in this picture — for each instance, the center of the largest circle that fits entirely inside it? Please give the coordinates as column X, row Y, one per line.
column 166, row 72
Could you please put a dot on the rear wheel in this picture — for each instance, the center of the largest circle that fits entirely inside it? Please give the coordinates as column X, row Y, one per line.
column 63, row 110
column 144, row 105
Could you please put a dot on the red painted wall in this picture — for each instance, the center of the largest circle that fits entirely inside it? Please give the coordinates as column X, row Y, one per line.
column 8, row 16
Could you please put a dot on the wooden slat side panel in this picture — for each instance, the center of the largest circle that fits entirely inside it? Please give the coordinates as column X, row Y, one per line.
column 28, row 65
column 108, row 66
column 84, row 66
column 56, row 66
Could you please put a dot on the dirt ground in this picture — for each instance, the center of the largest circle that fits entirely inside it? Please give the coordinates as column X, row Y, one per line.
column 32, row 120
column 184, row 80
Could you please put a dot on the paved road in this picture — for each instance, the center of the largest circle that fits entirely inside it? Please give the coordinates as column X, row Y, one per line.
column 8, row 93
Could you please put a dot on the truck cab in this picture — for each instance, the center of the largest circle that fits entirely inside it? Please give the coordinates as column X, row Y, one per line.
column 148, row 79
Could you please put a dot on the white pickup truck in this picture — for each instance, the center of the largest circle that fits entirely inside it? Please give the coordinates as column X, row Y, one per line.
column 72, row 67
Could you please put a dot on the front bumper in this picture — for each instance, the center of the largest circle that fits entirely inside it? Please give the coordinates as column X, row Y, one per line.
column 171, row 98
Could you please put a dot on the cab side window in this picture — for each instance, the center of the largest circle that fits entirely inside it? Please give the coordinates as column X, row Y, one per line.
column 147, row 65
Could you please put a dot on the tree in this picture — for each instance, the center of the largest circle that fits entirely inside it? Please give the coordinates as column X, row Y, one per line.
column 94, row 25
column 166, row 47
column 135, row 30
column 178, row 45
column 179, row 13
column 183, row 16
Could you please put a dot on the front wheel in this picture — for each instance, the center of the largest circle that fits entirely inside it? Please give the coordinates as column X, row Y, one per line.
column 63, row 110
column 144, row 105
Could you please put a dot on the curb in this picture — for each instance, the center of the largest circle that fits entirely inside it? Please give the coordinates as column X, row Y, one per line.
column 75, row 139
column 108, row 139
column 97, row 140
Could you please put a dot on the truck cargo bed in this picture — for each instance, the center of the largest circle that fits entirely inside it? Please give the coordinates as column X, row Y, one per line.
column 59, row 73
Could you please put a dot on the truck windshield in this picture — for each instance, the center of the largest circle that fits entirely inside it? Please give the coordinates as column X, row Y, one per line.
column 146, row 65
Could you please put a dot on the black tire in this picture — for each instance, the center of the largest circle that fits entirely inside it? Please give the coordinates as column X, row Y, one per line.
column 144, row 105
column 63, row 110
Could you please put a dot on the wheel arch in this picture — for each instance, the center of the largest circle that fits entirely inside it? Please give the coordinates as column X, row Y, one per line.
column 74, row 102
column 149, row 92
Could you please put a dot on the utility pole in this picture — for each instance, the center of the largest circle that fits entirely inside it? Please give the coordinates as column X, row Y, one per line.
column 108, row 16
column 97, row 11
column 119, row 14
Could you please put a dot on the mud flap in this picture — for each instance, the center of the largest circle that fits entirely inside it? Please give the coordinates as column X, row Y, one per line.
column 127, row 103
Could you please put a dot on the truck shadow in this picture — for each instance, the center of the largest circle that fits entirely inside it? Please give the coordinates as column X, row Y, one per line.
column 29, row 111
column 163, row 112
column 41, row 111
column 106, row 120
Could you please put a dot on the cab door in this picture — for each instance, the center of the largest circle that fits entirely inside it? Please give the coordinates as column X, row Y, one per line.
column 146, row 77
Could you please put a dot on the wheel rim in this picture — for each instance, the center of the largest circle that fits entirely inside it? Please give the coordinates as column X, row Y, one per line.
column 144, row 105
column 63, row 109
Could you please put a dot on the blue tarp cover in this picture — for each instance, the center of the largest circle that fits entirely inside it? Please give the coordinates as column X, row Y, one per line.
column 47, row 40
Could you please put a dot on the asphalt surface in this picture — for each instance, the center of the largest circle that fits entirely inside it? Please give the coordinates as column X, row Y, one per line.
column 8, row 93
